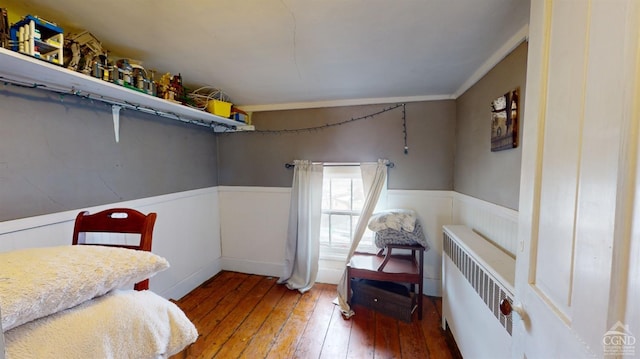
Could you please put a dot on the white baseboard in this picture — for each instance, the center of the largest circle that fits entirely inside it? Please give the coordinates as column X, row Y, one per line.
column 251, row 267
column 186, row 285
column 432, row 287
column 329, row 275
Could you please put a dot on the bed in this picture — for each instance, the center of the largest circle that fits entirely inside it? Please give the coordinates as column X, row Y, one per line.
column 75, row 301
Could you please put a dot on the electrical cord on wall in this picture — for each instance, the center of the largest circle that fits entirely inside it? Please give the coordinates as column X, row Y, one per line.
column 325, row 126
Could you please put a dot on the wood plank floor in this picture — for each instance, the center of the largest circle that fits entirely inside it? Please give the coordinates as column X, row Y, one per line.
column 249, row 316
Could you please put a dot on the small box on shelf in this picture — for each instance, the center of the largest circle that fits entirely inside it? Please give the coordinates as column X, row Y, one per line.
column 240, row 116
column 219, row 108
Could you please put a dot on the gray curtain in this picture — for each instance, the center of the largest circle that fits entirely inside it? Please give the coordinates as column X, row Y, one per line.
column 303, row 234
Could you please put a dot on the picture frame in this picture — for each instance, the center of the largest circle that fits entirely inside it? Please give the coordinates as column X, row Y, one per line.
column 504, row 121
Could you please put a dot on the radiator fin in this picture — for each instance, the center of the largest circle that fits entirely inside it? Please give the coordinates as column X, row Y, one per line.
column 487, row 287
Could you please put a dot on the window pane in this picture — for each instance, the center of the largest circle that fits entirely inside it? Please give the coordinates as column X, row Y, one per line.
column 369, row 238
column 341, row 194
column 325, row 240
column 342, row 201
column 367, row 241
column 354, row 223
column 326, row 193
column 340, row 230
column 358, row 194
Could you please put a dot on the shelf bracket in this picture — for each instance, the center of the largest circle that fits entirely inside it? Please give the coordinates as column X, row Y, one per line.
column 115, row 111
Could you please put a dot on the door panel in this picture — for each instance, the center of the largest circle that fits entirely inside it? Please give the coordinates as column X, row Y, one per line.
column 578, row 173
column 560, row 161
column 601, row 166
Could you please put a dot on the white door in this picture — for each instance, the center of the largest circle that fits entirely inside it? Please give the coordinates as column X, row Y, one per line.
column 577, row 267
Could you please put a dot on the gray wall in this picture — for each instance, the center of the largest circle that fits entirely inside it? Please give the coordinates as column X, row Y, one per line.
column 60, row 154
column 491, row 176
column 255, row 159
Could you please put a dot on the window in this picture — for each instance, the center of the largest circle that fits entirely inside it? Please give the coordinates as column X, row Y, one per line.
column 342, row 201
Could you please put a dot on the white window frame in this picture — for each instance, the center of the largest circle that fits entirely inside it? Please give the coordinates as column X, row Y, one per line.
column 340, row 253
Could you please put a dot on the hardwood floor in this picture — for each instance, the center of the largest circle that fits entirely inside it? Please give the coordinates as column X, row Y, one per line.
column 249, row 316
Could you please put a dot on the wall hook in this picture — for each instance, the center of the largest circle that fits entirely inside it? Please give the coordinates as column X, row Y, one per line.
column 115, row 111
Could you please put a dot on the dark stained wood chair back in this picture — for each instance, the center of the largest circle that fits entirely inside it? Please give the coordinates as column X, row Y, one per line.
column 117, row 220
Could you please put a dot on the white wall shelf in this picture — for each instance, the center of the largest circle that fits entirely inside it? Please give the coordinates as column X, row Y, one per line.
column 16, row 67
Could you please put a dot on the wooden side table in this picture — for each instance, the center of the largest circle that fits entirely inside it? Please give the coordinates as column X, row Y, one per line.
column 390, row 267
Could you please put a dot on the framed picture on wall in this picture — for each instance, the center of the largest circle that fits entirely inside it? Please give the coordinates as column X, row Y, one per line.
column 504, row 121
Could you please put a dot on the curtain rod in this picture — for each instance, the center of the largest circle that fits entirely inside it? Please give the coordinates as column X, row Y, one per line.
column 291, row 165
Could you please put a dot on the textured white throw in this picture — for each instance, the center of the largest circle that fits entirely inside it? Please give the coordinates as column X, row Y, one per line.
column 38, row 282
column 121, row 324
column 398, row 219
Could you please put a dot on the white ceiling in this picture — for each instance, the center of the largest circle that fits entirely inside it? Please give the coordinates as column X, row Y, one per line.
column 268, row 54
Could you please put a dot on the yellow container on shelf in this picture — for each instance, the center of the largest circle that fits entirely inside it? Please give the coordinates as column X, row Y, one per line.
column 219, row 108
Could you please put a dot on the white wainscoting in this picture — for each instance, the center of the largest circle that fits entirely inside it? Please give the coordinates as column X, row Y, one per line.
column 187, row 233
column 434, row 210
column 253, row 224
column 495, row 223
column 244, row 229
column 254, row 228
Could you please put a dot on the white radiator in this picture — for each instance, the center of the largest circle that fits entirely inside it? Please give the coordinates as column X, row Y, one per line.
column 476, row 277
